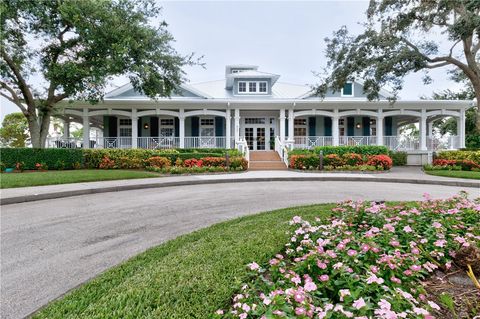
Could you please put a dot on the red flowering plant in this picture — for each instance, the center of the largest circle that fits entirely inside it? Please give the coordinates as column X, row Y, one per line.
column 334, row 160
column 444, row 162
column 106, row 163
column 213, row 161
column 304, row 162
column 41, row 166
column 193, row 162
column 366, row 261
column 353, row 159
column 158, row 162
column 380, row 161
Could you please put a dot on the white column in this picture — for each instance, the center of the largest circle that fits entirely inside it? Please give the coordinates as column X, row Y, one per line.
column 86, row 129
column 282, row 125
column 430, row 128
column 290, row 125
column 134, row 118
column 228, row 134
column 237, row 125
column 181, row 127
column 423, row 130
column 66, row 128
column 380, row 127
column 462, row 128
column 335, row 130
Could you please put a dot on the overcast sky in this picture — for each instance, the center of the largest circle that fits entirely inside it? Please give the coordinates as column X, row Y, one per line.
column 283, row 37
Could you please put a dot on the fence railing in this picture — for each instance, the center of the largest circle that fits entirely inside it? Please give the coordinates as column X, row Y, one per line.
column 62, row 142
column 312, row 141
column 357, row 140
column 206, row 142
column 242, row 146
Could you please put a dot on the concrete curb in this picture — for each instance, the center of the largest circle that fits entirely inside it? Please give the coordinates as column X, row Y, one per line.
column 36, row 197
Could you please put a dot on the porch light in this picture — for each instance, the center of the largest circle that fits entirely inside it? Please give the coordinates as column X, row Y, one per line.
column 145, row 126
column 358, row 125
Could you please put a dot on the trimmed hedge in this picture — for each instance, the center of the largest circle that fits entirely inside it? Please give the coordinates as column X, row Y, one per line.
column 54, row 158
column 341, row 150
column 398, row 158
column 473, row 156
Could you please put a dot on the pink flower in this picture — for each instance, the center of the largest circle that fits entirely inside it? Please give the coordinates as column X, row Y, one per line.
column 440, row 243
column 310, row 286
column 246, row 307
column 299, row 311
column 343, row 293
column 407, row 229
column 351, row 252
column 436, row 225
column 415, row 251
column 253, row 266
column 219, row 312
column 416, row 267
column 359, row 303
column 394, row 243
column 324, row 278
column 374, row 269
column 433, row 305
column 374, row 279
column 299, row 297
column 395, row 280
column 321, row 265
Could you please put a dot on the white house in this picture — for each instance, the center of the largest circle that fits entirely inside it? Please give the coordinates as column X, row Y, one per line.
column 254, row 107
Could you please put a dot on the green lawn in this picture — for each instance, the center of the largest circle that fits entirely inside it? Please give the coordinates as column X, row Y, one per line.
column 457, row 174
column 189, row 277
column 10, row 180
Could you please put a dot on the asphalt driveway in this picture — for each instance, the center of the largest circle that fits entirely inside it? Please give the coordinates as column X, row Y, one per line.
column 49, row 247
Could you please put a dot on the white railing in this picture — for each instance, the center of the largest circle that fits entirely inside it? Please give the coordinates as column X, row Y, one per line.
column 158, row 142
column 112, row 142
column 282, row 150
column 64, row 142
column 242, row 146
column 357, row 140
column 445, row 143
column 309, row 142
column 401, row 143
column 205, row 142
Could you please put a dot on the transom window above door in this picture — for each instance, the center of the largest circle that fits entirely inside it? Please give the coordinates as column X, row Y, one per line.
column 207, row 122
column 126, row 122
column 254, row 120
column 166, row 122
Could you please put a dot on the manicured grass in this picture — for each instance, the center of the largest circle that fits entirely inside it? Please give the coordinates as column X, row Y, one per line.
column 189, row 277
column 10, row 180
column 457, row 174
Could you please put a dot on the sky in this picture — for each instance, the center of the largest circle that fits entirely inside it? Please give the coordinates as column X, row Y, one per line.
column 281, row 37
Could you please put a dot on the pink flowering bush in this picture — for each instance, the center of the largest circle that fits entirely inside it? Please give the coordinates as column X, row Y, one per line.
column 367, row 261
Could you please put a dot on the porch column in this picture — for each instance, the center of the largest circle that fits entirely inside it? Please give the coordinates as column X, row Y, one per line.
column 335, row 130
column 237, row 125
column 461, row 128
column 86, row 129
column 134, row 118
column 282, row 125
column 380, row 127
column 181, row 128
column 66, row 128
column 290, row 125
column 423, row 130
column 430, row 128
column 228, row 134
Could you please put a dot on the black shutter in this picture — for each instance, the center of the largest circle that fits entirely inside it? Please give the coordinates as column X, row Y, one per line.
column 106, row 123
column 195, row 125
column 327, row 123
column 388, row 126
column 140, row 127
column 286, row 128
column 112, row 126
column 366, row 126
column 153, row 126
column 312, row 123
column 350, row 126
column 177, row 127
column 219, row 126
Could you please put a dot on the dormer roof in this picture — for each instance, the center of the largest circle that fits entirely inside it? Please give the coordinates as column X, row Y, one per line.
column 250, row 74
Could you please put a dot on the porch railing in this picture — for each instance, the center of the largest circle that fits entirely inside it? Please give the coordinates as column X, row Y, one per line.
column 206, row 142
column 242, row 146
column 357, row 140
column 158, row 142
column 312, row 141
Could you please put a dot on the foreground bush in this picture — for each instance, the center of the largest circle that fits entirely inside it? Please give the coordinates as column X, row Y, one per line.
column 347, row 161
column 398, row 158
column 52, row 158
column 341, row 150
column 473, row 156
column 453, row 165
column 368, row 261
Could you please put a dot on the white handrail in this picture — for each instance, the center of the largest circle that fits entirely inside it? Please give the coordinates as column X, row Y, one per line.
column 281, row 150
column 242, row 146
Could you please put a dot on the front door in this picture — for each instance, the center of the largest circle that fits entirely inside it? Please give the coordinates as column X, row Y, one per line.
column 256, row 130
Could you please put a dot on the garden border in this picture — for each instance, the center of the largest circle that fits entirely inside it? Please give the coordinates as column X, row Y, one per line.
column 99, row 190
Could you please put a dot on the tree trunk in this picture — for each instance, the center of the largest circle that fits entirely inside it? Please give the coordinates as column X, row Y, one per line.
column 38, row 128
column 477, row 120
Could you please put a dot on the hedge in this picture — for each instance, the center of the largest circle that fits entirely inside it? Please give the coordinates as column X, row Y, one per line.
column 398, row 158
column 473, row 156
column 340, row 150
column 54, row 158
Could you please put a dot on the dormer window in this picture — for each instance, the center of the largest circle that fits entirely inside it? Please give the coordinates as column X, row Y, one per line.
column 347, row 89
column 252, row 87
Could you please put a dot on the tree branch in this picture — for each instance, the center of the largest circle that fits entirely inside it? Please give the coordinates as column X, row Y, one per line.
column 437, row 65
column 22, row 84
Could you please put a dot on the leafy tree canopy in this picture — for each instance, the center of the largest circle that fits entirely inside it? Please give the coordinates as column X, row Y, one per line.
column 70, row 49
column 14, row 130
column 400, row 37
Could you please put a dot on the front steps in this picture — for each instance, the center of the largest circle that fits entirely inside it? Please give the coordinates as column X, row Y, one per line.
column 266, row 161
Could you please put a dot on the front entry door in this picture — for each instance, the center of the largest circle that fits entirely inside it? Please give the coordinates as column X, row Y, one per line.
column 259, row 132
column 260, row 139
column 255, row 137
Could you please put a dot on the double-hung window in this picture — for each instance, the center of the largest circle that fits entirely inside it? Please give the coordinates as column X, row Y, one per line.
column 262, row 87
column 252, row 87
column 242, row 87
column 207, row 127
column 347, row 89
column 167, row 127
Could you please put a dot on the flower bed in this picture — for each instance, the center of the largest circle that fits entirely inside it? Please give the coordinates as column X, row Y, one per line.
column 207, row 164
column 366, row 150
column 473, row 156
column 368, row 261
column 453, row 165
column 347, row 161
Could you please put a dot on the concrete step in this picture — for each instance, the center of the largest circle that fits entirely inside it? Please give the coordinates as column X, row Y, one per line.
column 267, row 165
column 264, row 156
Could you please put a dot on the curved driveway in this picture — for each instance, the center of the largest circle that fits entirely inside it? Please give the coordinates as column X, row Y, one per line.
column 49, row 247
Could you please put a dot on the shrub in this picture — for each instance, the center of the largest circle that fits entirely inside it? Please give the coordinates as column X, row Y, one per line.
column 352, row 159
column 380, row 161
column 213, row 161
column 304, row 162
column 193, row 162
column 49, row 156
column 398, row 158
column 158, row 162
column 447, row 164
column 106, row 163
column 460, row 155
column 358, row 149
column 60, row 165
column 130, row 163
column 2, row 166
column 472, row 141
column 41, row 166
column 334, row 160
column 238, row 163
column 19, row 166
